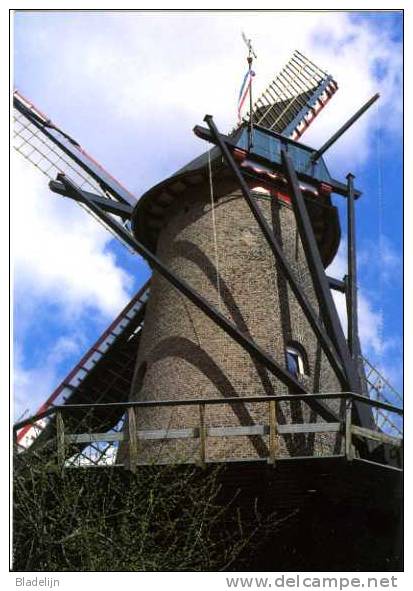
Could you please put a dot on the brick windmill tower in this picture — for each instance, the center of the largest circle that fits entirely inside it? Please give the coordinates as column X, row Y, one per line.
column 233, row 352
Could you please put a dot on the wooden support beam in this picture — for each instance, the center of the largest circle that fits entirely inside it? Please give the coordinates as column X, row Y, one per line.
column 273, row 437
column 310, row 428
column 202, row 436
column 123, row 210
column 317, row 154
column 352, row 321
column 348, row 431
column 321, row 286
column 60, row 439
column 133, row 439
column 337, row 285
column 376, row 435
column 195, row 433
column 94, row 437
column 219, row 401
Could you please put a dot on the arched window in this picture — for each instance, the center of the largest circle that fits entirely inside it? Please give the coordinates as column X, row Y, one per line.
column 296, row 360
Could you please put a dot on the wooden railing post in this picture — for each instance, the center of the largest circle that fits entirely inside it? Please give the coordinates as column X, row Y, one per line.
column 133, row 439
column 348, row 432
column 60, row 439
column 273, row 438
column 202, row 436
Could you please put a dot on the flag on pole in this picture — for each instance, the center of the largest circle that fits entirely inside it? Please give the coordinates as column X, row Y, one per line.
column 245, row 88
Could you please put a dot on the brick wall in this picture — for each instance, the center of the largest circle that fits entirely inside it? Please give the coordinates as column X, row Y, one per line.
column 184, row 355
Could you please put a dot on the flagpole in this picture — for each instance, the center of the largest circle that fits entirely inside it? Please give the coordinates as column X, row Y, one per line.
column 251, row 128
column 251, row 55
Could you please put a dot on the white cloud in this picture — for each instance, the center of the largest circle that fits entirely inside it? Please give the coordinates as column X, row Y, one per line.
column 370, row 319
column 380, row 260
column 370, row 327
column 59, row 253
column 34, row 384
column 155, row 76
column 370, row 323
column 60, row 259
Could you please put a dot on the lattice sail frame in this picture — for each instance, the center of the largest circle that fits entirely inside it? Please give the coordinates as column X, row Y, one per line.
column 294, row 98
column 42, row 143
column 380, row 389
column 101, row 453
column 102, row 347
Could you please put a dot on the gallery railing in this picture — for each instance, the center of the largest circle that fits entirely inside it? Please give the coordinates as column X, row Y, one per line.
column 100, row 448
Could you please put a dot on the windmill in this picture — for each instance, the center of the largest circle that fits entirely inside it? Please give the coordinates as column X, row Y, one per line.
column 233, row 349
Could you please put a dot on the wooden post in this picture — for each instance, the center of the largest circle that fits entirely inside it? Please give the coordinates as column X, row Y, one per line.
column 348, row 434
column 60, row 439
column 202, row 436
column 273, row 440
column 133, row 439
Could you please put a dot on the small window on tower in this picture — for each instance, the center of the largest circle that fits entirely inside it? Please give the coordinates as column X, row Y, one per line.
column 296, row 361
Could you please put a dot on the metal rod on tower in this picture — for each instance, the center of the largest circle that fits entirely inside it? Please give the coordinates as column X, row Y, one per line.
column 316, row 155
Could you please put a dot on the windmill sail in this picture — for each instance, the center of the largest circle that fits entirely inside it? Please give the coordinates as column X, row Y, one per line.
column 102, row 375
column 53, row 151
column 294, row 98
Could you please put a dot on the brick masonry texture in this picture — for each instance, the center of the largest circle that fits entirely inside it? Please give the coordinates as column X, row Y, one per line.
column 184, row 355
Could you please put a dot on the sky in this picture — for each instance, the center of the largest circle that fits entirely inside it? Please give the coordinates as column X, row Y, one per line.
column 130, row 86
